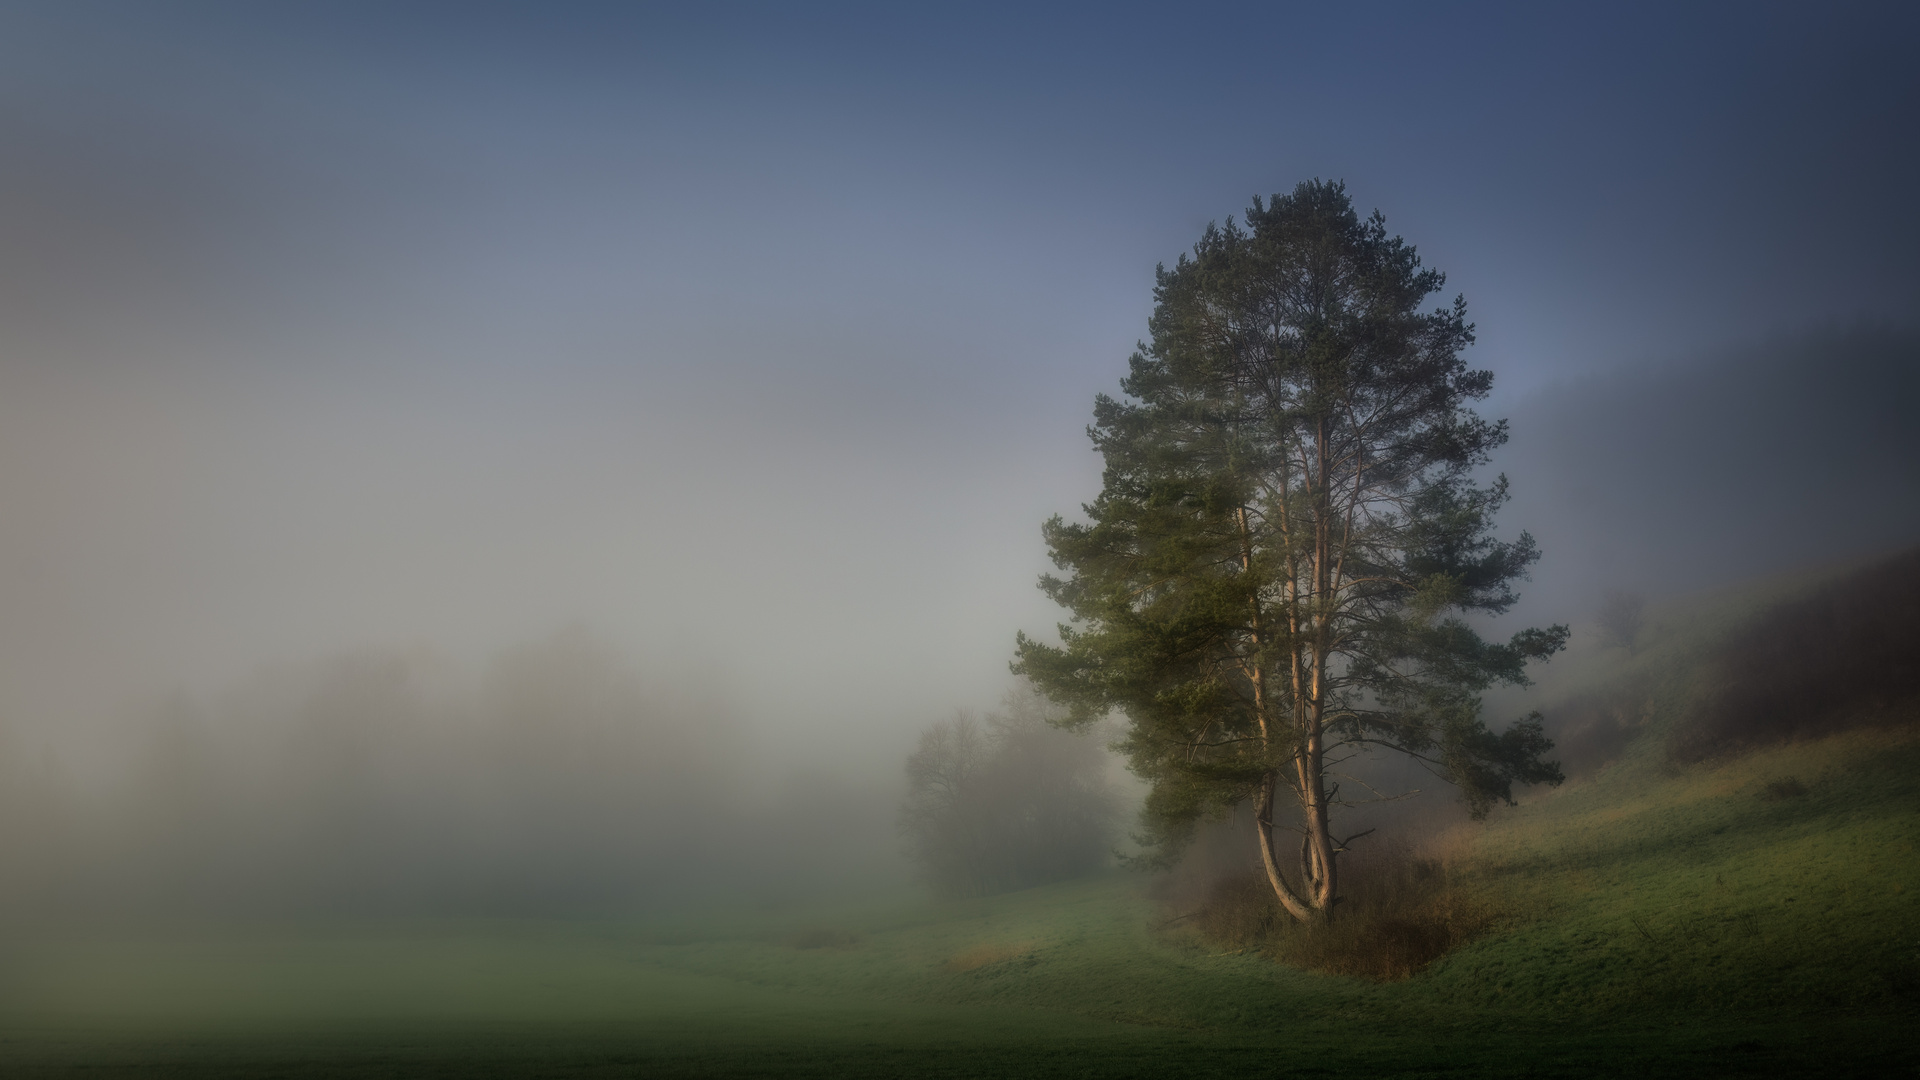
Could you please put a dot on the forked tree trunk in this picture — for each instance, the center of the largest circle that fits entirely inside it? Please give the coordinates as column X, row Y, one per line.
column 1313, row 901
column 1319, row 858
column 1298, row 907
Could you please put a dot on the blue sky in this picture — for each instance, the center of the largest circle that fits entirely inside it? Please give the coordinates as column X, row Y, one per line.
column 763, row 338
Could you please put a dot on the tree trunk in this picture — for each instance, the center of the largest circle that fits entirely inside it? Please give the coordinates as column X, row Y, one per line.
column 1263, row 821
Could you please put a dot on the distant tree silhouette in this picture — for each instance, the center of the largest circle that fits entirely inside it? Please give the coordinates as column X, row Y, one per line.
column 1007, row 802
column 1621, row 618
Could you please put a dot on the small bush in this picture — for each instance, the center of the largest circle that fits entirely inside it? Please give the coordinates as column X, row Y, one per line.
column 1240, row 913
column 1396, row 915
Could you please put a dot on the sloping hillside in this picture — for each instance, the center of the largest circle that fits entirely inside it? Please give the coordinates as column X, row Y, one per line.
column 1745, row 832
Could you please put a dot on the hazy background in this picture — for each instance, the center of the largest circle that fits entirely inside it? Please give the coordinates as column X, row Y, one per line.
column 733, row 358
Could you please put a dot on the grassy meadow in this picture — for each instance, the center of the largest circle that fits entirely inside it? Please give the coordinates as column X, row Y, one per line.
column 1753, row 915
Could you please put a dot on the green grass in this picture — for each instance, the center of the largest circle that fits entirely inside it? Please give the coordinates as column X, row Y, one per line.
column 1711, row 920
column 1698, row 889
column 1065, row 981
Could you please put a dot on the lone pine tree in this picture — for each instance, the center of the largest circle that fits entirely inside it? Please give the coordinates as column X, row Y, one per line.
column 1279, row 568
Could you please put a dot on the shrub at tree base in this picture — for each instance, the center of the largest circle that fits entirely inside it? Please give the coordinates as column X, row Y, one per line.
column 1398, row 915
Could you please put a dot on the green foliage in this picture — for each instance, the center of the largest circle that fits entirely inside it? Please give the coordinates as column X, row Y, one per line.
column 1399, row 913
column 1278, row 569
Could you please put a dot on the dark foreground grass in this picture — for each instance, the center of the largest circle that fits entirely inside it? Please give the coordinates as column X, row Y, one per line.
column 1834, row 1048
column 1399, row 912
column 688, row 1026
column 1070, row 981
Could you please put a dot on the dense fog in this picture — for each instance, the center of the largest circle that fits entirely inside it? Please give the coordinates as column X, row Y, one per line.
column 1663, row 478
column 552, row 781
column 498, row 464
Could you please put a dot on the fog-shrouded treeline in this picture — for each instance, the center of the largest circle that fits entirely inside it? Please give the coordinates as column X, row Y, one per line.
column 1667, row 478
column 552, row 782
column 1008, row 801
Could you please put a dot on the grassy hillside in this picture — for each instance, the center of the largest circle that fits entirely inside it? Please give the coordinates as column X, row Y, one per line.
column 1778, row 872
column 1738, row 915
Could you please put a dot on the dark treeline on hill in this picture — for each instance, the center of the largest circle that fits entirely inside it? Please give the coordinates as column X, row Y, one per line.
column 1007, row 802
column 1841, row 651
column 1697, row 473
column 1845, row 655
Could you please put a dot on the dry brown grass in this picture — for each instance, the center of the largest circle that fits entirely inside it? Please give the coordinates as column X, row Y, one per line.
column 1397, row 914
column 988, row 954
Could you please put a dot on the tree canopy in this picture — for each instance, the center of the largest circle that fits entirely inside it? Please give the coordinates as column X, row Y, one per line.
column 1280, row 568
